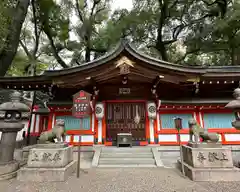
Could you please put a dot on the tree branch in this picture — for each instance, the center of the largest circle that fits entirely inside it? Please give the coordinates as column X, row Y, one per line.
column 174, row 4
column 37, row 34
column 209, row 4
column 25, row 49
column 54, row 49
column 79, row 11
column 169, row 42
column 95, row 2
column 100, row 9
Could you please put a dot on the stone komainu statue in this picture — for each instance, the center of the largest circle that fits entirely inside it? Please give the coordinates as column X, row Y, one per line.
column 198, row 132
column 57, row 132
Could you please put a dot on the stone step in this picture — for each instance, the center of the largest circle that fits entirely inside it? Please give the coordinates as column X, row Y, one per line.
column 124, row 165
column 130, row 155
column 126, row 150
column 126, row 161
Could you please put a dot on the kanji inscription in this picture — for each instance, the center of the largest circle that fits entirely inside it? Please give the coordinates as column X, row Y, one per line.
column 201, row 157
column 35, row 157
column 212, row 156
column 46, row 157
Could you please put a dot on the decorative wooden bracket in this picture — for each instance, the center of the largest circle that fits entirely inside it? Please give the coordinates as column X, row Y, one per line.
column 156, row 81
column 195, row 81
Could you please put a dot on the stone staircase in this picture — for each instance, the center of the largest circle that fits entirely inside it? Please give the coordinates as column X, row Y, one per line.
column 125, row 157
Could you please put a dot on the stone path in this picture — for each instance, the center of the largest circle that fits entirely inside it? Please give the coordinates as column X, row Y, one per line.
column 122, row 180
column 169, row 159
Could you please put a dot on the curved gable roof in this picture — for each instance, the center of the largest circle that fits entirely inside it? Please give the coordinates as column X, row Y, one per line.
column 124, row 45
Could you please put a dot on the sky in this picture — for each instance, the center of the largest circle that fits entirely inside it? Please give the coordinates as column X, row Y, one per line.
column 121, row 4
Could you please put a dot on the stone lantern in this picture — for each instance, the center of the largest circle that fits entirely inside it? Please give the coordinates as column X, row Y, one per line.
column 235, row 106
column 9, row 127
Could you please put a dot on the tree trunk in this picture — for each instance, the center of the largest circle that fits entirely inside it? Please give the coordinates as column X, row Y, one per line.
column 87, row 54
column 10, row 46
column 87, row 49
column 160, row 45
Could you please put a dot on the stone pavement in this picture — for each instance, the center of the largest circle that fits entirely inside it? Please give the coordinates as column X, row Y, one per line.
column 122, row 180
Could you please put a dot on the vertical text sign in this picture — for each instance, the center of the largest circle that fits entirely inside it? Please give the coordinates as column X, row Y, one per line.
column 81, row 104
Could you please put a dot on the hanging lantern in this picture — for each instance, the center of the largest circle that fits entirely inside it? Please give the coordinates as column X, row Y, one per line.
column 178, row 123
column 137, row 117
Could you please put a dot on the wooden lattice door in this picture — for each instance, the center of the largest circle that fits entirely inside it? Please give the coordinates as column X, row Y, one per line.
column 120, row 119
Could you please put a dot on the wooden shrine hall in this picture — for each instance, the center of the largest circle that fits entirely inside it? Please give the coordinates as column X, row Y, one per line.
column 135, row 93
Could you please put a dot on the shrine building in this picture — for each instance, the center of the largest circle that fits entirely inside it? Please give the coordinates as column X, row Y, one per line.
column 134, row 93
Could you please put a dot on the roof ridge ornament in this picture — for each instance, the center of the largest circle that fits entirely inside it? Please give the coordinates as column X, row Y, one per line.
column 124, row 64
column 124, row 60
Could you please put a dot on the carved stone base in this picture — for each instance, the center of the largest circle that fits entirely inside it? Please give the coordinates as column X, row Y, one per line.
column 210, row 174
column 48, row 162
column 50, row 156
column 46, row 174
column 204, row 145
column 207, row 157
column 9, row 170
column 209, row 164
column 27, row 149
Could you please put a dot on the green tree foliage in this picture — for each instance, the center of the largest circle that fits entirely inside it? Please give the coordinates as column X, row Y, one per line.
column 220, row 39
column 167, row 28
column 21, row 62
column 71, row 32
column 57, row 22
column 28, row 60
column 16, row 11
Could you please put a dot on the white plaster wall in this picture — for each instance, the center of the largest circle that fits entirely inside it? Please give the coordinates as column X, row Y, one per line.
column 68, row 138
column 85, row 138
column 220, row 137
column 232, row 137
column 167, row 138
column 184, row 137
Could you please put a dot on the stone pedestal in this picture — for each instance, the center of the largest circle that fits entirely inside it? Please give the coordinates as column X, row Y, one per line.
column 8, row 170
column 10, row 124
column 48, row 162
column 205, row 145
column 8, row 166
column 209, row 163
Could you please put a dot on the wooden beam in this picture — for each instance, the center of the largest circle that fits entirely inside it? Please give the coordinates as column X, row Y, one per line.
column 157, row 80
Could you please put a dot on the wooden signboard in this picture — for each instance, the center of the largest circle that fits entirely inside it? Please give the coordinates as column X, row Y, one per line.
column 81, row 104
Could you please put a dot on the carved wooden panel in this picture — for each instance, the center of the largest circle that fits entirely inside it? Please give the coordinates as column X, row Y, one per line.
column 120, row 119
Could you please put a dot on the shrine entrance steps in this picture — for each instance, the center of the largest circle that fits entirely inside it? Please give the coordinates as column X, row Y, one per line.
column 124, row 157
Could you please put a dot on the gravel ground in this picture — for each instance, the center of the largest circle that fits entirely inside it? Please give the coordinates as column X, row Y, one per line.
column 122, row 180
